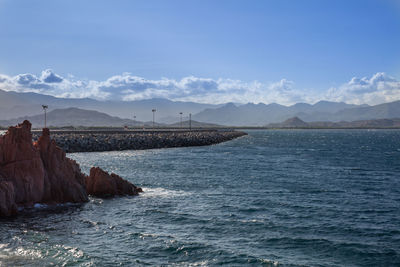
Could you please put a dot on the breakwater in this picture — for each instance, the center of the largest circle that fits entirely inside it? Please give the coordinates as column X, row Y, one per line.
column 96, row 141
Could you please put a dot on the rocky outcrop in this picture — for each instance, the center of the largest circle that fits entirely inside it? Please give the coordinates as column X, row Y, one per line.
column 21, row 164
column 63, row 179
column 40, row 172
column 101, row 184
column 8, row 206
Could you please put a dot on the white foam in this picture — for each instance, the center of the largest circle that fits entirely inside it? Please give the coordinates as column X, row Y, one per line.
column 199, row 263
column 162, row 192
column 274, row 263
column 40, row 206
column 251, row 221
column 144, row 235
column 73, row 251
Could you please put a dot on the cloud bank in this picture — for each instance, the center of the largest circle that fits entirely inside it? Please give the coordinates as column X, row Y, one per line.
column 380, row 88
column 377, row 89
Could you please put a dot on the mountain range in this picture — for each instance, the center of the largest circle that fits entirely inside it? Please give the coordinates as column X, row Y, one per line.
column 76, row 117
column 262, row 114
column 296, row 122
column 20, row 105
column 15, row 104
column 73, row 117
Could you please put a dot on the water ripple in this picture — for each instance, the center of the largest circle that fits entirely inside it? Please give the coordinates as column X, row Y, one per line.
column 273, row 198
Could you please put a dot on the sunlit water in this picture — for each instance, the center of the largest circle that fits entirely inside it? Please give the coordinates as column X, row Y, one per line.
column 273, row 198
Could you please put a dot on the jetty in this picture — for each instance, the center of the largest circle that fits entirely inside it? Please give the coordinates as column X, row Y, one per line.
column 72, row 141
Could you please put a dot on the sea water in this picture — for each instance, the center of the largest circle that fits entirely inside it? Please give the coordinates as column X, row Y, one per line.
column 272, row 198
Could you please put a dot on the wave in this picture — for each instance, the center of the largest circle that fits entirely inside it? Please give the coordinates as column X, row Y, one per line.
column 162, row 192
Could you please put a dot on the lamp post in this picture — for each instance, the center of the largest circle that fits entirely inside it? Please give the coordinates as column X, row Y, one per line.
column 154, row 111
column 190, row 121
column 45, row 107
column 181, row 118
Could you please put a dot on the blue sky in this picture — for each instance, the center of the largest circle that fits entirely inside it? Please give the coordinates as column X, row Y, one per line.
column 274, row 51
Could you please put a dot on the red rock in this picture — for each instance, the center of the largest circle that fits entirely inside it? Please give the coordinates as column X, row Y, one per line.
column 41, row 173
column 21, row 164
column 64, row 181
column 36, row 173
column 7, row 199
column 101, row 184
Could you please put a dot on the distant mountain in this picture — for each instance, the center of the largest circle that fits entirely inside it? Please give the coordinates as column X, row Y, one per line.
column 73, row 117
column 293, row 122
column 14, row 105
column 261, row 114
column 296, row 122
column 195, row 124
column 17, row 105
column 87, row 118
column 382, row 111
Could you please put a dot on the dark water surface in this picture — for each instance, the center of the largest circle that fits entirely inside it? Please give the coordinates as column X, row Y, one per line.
column 273, row 198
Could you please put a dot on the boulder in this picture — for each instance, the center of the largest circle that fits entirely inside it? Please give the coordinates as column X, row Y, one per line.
column 101, row 184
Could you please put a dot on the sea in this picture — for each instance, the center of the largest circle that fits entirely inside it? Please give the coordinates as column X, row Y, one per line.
column 271, row 198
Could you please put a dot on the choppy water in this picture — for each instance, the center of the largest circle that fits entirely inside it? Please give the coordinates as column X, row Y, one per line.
column 273, row 198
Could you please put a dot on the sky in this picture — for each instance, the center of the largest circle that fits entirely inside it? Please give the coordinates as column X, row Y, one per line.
column 204, row 51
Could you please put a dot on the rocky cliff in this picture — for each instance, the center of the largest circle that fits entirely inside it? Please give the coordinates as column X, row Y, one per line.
column 40, row 172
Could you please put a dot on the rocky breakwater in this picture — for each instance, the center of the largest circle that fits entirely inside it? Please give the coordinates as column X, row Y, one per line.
column 94, row 142
column 40, row 172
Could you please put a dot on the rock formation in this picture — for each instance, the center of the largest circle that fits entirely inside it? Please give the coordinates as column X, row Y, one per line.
column 101, row 184
column 63, row 179
column 21, row 164
column 8, row 206
column 40, row 172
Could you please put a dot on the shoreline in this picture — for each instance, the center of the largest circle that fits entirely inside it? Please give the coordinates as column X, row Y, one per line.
column 99, row 141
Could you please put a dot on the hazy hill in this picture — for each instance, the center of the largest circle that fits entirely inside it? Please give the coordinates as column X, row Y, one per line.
column 293, row 122
column 80, row 117
column 296, row 122
column 17, row 105
column 14, row 105
column 195, row 124
column 261, row 114
column 73, row 117
column 382, row 111
column 386, row 110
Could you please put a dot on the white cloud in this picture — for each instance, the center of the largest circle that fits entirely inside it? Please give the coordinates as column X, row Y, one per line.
column 377, row 89
column 48, row 76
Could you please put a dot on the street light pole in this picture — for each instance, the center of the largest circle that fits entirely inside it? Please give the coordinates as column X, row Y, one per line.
column 154, row 111
column 45, row 107
column 190, row 121
column 181, row 118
